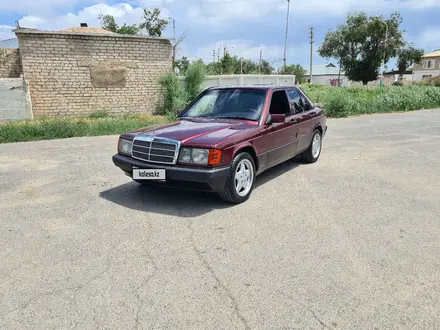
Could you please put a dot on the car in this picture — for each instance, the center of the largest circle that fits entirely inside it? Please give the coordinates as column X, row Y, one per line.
column 224, row 139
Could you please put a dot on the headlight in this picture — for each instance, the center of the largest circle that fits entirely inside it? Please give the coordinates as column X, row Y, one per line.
column 194, row 156
column 200, row 156
column 125, row 146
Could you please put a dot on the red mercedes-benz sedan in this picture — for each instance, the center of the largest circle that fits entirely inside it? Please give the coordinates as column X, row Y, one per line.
column 224, row 139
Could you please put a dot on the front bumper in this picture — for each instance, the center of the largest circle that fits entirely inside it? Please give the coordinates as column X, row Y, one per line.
column 202, row 179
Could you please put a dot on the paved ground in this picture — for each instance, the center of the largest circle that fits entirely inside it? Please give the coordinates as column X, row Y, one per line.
column 351, row 242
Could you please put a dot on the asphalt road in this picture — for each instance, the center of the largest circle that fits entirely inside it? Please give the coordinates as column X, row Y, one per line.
column 351, row 242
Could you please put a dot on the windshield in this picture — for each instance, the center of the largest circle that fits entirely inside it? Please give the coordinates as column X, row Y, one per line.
column 229, row 103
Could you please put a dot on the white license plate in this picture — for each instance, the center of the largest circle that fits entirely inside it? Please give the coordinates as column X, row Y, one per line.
column 147, row 174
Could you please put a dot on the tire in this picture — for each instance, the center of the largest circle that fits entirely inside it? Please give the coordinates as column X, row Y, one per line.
column 232, row 193
column 311, row 155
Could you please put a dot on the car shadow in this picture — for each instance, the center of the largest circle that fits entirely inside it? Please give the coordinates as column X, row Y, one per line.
column 181, row 203
column 277, row 171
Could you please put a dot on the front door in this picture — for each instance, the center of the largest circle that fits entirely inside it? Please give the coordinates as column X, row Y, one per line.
column 282, row 137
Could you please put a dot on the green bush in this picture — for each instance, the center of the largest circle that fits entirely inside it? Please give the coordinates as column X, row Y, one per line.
column 99, row 114
column 57, row 128
column 176, row 97
column 434, row 81
column 194, row 77
column 342, row 102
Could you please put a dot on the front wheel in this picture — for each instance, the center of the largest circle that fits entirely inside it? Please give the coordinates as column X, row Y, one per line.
column 241, row 179
column 312, row 154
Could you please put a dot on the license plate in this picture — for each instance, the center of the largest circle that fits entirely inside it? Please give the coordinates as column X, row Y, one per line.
column 147, row 174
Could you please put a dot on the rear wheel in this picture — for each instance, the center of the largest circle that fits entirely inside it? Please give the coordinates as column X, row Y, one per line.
column 313, row 152
column 241, row 179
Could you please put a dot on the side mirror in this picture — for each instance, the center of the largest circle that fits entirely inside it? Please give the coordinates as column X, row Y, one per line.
column 277, row 118
column 319, row 105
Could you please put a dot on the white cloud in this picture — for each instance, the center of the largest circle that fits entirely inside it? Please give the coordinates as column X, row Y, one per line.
column 6, row 32
column 123, row 13
column 220, row 11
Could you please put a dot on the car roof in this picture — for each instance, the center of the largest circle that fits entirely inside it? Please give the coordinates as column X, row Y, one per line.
column 256, row 86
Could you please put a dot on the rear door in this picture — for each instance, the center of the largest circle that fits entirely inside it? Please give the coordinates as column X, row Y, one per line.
column 303, row 115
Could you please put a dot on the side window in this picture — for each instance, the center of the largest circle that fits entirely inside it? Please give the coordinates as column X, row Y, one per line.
column 295, row 100
column 279, row 104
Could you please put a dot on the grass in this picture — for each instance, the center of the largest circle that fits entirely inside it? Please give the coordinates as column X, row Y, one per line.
column 57, row 128
column 343, row 102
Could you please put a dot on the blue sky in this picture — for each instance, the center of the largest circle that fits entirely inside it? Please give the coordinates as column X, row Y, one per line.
column 243, row 26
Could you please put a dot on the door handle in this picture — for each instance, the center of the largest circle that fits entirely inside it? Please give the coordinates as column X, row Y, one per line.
column 294, row 120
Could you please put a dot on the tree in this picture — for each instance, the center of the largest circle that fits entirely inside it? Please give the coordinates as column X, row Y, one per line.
column 295, row 69
column 108, row 23
column 266, row 68
column 214, row 68
column 245, row 66
column 182, row 65
column 153, row 23
column 360, row 44
column 228, row 64
column 407, row 56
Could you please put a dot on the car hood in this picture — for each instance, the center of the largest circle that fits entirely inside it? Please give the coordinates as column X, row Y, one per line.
column 200, row 131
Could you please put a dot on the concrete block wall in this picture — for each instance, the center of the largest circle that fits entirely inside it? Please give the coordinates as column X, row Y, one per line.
column 75, row 74
column 14, row 100
column 10, row 63
column 245, row 79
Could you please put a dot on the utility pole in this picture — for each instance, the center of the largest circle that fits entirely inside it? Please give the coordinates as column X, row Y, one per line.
column 385, row 49
column 218, row 54
column 312, row 34
column 261, row 60
column 175, row 42
column 287, row 31
column 213, row 55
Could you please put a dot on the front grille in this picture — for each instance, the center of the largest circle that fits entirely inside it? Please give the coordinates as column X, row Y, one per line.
column 155, row 150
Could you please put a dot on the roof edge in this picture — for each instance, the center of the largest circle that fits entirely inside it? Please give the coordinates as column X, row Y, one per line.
column 88, row 34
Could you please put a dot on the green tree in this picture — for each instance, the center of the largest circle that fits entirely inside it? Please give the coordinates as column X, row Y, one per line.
column 228, row 64
column 108, row 23
column 182, row 65
column 153, row 23
column 214, row 68
column 296, row 69
column 407, row 56
column 248, row 66
column 266, row 68
column 360, row 44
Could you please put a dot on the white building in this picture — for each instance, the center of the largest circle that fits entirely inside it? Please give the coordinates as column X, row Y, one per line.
column 327, row 74
column 428, row 67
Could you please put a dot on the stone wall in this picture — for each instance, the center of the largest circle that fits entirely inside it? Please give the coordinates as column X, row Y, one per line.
column 10, row 64
column 75, row 74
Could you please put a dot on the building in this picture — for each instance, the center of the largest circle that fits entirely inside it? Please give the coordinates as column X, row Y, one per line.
column 82, row 70
column 428, row 67
column 392, row 76
column 327, row 74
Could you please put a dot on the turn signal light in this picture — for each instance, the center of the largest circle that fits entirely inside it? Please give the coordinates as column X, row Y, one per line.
column 214, row 157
